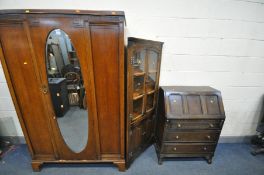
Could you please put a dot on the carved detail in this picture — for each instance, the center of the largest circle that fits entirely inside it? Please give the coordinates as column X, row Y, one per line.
column 34, row 22
column 78, row 23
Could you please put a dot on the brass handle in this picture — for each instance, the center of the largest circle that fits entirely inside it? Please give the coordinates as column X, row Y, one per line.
column 179, row 125
column 177, row 137
column 44, row 89
column 209, row 137
column 174, row 149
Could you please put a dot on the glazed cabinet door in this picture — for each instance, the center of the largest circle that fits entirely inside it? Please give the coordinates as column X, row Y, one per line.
column 25, row 85
column 143, row 64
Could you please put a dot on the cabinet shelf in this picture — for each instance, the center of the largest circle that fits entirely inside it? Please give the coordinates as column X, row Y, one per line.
column 150, row 91
column 136, row 116
column 148, row 110
column 152, row 71
column 139, row 74
column 136, row 96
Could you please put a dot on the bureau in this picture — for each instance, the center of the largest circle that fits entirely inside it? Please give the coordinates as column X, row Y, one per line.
column 189, row 122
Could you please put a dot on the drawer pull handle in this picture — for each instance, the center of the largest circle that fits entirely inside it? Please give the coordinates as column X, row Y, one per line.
column 58, row 94
column 61, row 106
column 174, row 101
column 212, row 101
column 177, row 137
column 179, row 125
column 174, row 149
column 205, row 148
column 211, row 125
column 209, row 137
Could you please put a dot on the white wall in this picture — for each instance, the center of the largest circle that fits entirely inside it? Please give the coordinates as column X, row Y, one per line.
column 207, row 42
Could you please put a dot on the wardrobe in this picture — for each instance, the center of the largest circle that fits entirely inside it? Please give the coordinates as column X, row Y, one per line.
column 98, row 40
column 69, row 78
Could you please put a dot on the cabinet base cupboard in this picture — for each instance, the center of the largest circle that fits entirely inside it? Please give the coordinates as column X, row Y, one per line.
column 85, row 118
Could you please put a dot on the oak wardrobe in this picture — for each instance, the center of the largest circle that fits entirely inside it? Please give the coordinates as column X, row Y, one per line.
column 92, row 71
column 69, row 80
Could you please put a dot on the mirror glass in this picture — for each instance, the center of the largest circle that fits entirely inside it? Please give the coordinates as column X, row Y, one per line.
column 67, row 89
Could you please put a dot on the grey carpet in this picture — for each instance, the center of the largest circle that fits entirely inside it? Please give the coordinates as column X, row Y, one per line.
column 74, row 128
column 229, row 159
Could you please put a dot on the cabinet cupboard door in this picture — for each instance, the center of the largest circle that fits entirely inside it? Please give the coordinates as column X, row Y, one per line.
column 16, row 56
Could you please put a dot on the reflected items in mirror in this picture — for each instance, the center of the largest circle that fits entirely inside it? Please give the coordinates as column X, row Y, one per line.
column 67, row 89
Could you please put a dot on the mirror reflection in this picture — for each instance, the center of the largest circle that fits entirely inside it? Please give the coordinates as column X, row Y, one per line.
column 67, row 89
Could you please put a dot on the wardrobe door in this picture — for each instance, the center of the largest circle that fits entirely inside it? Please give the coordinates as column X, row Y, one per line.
column 108, row 60
column 25, row 86
column 62, row 48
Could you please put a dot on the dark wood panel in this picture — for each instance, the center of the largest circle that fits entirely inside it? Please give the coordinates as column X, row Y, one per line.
column 194, row 104
column 26, row 84
column 212, row 105
column 176, row 104
column 105, row 39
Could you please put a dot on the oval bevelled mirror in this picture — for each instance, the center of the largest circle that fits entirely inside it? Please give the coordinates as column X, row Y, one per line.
column 67, row 90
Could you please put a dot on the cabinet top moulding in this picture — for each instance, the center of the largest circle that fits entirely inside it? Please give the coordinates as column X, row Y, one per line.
column 62, row 11
column 145, row 41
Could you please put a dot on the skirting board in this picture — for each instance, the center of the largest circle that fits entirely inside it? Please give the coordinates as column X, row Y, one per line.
column 223, row 139
column 14, row 139
column 235, row 139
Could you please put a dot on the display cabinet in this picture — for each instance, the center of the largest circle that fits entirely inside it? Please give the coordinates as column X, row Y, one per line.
column 143, row 69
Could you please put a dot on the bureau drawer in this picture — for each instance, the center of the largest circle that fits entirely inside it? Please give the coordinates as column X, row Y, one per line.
column 196, row 136
column 194, row 124
column 174, row 148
